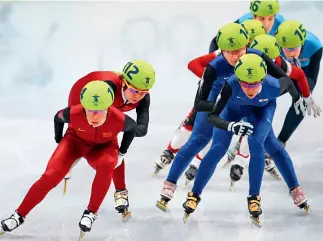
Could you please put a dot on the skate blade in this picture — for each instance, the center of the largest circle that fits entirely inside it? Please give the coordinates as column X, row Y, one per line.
column 125, row 216
column 255, row 221
column 65, row 187
column 186, row 216
column 226, row 163
column 82, row 236
column 157, row 170
column 307, row 209
column 161, row 205
column 275, row 175
column 2, row 232
column 231, row 186
column 186, row 183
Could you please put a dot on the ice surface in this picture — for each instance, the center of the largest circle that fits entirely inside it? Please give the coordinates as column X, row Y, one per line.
column 45, row 47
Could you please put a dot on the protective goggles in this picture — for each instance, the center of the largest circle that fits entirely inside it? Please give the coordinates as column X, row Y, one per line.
column 292, row 49
column 96, row 111
column 250, row 86
column 135, row 91
column 235, row 52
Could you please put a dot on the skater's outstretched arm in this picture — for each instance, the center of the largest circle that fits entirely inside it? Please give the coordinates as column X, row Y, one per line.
column 143, row 116
column 129, row 133
column 312, row 70
column 201, row 103
column 218, row 107
column 61, row 117
column 287, row 85
column 198, row 65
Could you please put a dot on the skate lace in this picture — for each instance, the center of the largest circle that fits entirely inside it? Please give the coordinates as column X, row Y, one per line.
column 191, row 202
column 169, row 189
column 121, row 195
column 254, row 206
column 298, row 196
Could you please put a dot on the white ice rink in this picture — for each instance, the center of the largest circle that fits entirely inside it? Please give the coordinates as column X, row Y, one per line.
column 45, row 47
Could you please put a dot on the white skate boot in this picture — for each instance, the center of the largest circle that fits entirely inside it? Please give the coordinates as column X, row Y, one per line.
column 86, row 223
column 166, row 194
column 232, row 153
column 270, row 167
column 164, row 160
column 299, row 199
column 122, row 204
column 9, row 224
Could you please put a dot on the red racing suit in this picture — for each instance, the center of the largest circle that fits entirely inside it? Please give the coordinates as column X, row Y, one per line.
column 99, row 146
column 114, row 79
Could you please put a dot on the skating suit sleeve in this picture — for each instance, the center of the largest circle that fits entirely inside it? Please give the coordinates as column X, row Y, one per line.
column 278, row 20
column 129, row 134
column 143, row 116
column 218, row 107
column 311, row 56
column 296, row 74
column 198, row 65
column 74, row 96
column 61, row 117
column 214, row 77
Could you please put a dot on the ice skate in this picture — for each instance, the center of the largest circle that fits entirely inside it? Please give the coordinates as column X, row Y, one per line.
column 236, row 173
column 167, row 194
column 164, row 160
column 232, row 153
column 255, row 211
column 86, row 223
column 300, row 199
column 270, row 167
column 9, row 224
column 122, row 204
column 190, row 174
column 190, row 205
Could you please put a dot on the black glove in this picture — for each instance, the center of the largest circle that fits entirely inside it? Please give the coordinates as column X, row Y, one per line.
column 241, row 128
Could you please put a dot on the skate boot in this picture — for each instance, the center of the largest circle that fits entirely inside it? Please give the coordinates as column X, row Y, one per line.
column 190, row 205
column 86, row 223
column 122, row 204
column 190, row 174
column 164, row 160
column 270, row 167
column 255, row 211
column 236, row 173
column 9, row 224
column 299, row 199
column 232, row 153
column 166, row 195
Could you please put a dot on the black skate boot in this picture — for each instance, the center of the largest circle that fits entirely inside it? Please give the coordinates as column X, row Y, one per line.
column 9, row 224
column 190, row 174
column 86, row 223
column 164, row 160
column 190, row 205
column 236, row 173
column 254, row 207
column 122, row 204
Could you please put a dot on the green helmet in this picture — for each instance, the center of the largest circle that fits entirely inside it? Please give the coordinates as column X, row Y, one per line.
column 290, row 34
column 140, row 74
column 232, row 36
column 250, row 68
column 264, row 8
column 97, row 95
column 254, row 28
column 266, row 44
